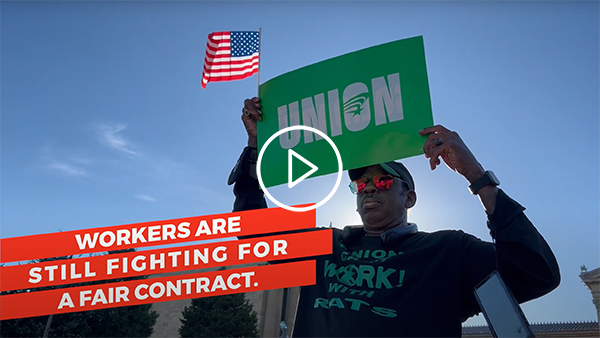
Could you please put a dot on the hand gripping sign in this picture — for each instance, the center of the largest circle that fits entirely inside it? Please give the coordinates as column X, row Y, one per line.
column 61, row 273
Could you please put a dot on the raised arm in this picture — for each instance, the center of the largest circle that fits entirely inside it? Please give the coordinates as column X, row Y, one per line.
column 519, row 253
column 248, row 195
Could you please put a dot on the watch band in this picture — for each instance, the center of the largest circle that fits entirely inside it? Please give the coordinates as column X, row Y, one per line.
column 488, row 178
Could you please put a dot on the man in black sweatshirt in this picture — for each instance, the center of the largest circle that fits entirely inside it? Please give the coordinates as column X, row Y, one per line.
column 387, row 279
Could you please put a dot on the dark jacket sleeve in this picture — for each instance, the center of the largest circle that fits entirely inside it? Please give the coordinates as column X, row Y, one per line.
column 519, row 253
column 248, row 195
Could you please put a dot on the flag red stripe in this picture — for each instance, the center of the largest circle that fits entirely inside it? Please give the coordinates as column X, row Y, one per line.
column 205, row 80
column 231, row 78
column 222, row 59
column 217, row 41
column 217, row 47
column 231, row 61
column 216, row 35
column 225, row 78
column 212, row 57
column 229, row 72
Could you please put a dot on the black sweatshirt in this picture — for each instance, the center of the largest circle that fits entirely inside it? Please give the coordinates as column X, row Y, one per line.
column 423, row 287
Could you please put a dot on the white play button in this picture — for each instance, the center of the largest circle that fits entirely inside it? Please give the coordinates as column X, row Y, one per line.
column 291, row 155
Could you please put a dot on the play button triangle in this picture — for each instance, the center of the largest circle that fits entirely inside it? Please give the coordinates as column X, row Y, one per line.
column 291, row 155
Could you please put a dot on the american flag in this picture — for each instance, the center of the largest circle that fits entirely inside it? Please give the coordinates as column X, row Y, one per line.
column 230, row 56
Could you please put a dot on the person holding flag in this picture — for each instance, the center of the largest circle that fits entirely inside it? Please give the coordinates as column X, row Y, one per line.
column 387, row 279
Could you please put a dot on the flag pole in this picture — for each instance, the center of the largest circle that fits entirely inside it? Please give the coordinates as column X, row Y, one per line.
column 259, row 57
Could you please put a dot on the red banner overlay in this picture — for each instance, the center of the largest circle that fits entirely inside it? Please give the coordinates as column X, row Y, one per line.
column 154, row 233
column 87, row 269
column 154, row 290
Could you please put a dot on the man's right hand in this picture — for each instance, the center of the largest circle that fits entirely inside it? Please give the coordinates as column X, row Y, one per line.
column 250, row 115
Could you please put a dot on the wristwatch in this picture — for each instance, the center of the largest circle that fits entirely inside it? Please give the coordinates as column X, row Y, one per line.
column 488, row 178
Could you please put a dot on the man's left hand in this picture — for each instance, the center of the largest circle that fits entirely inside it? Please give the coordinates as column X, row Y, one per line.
column 446, row 144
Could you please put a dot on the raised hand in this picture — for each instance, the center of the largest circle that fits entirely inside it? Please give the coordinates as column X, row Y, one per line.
column 448, row 145
column 250, row 115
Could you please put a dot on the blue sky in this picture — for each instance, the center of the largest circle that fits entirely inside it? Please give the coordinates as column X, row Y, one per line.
column 104, row 122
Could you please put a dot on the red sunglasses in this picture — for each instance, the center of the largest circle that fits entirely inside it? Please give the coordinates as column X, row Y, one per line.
column 382, row 182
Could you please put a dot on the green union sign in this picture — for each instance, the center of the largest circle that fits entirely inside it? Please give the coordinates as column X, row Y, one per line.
column 371, row 103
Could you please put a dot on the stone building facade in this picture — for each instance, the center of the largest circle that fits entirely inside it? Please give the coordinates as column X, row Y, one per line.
column 592, row 281
column 543, row 330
